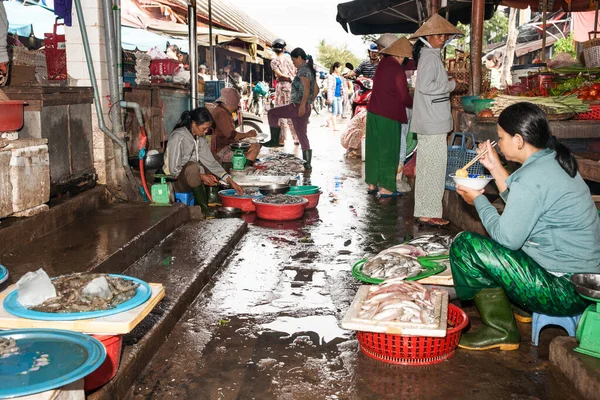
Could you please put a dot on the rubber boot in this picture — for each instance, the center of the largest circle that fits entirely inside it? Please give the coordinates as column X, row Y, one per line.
column 274, row 142
column 249, row 163
column 499, row 327
column 201, row 199
column 213, row 196
column 307, row 157
column 522, row 315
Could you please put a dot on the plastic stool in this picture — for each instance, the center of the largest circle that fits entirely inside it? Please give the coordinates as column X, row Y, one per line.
column 539, row 321
column 186, row 198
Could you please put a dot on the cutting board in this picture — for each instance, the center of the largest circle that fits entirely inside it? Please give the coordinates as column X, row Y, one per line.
column 437, row 329
column 116, row 324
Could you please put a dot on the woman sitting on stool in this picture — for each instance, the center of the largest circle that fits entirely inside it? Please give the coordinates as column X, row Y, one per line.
column 189, row 159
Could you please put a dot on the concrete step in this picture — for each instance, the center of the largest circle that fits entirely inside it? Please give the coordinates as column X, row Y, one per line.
column 183, row 263
column 108, row 239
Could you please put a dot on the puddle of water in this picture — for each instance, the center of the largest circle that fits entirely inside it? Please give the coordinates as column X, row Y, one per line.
column 326, row 326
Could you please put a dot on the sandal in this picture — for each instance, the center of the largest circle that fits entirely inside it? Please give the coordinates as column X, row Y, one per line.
column 433, row 221
column 373, row 191
column 388, row 195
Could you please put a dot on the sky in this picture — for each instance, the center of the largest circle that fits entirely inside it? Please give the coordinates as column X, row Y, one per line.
column 302, row 23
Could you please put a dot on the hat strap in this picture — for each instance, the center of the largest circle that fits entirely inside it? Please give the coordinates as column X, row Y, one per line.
column 425, row 41
column 449, row 40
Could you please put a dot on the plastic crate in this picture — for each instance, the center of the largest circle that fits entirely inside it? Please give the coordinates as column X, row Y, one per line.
column 415, row 350
column 128, row 59
column 129, row 77
column 458, row 156
column 163, row 67
column 593, row 114
column 212, row 90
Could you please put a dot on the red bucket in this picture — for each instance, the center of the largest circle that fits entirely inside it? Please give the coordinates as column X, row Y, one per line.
column 280, row 212
column 108, row 369
column 229, row 199
column 11, row 115
column 415, row 350
column 313, row 199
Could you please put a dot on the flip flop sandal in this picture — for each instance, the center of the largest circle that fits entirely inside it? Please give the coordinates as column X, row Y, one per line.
column 388, row 195
column 373, row 191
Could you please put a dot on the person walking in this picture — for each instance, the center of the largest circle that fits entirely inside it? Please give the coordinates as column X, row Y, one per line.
column 432, row 117
column 303, row 93
column 386, row 114
column 284, row 71
column 337, row 88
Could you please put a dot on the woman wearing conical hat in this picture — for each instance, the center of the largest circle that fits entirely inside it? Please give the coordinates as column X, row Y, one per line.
column 386, row 112
column 432, row 117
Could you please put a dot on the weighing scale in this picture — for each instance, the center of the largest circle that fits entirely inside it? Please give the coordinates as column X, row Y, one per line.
column 239, row 159
column 161, row 192
column 588, row 330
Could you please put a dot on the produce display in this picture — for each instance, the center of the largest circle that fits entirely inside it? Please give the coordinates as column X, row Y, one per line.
column 551, row 105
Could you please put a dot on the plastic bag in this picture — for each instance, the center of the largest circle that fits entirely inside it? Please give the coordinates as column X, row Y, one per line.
column 157, row 54
column 181, row 75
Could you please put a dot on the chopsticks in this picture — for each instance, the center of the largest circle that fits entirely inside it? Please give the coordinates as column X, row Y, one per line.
column 478, row 156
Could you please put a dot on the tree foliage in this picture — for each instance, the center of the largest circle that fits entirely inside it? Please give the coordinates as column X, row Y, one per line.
column 565, row 45
column 327, row 54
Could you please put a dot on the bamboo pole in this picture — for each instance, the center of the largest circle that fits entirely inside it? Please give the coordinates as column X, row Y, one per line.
column 543, row 54
column 477, row 14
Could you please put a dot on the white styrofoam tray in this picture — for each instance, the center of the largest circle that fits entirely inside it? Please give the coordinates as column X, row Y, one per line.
column 436, row 329
column 259, row 180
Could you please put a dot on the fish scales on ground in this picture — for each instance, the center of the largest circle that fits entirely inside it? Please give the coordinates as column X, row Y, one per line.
column 281, row 164
column 71, row 298
column 280, row 199
column 432, row 245
column 397, row 300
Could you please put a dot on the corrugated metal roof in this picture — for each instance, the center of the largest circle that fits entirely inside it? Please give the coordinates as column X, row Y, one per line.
column 225, row 15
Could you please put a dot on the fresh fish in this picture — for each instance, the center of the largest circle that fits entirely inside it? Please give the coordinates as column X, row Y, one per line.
column 432, row 245
column 280, row 199
column 393, row 262
column 280, row 164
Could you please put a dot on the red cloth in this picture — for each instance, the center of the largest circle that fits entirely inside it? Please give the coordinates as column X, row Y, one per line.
column 390, row 96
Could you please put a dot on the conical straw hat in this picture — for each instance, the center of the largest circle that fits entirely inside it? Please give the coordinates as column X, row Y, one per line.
column 400, row 48
column 386, row 40
column 436, row 25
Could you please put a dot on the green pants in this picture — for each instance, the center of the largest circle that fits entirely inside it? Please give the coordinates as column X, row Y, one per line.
column 478, row 263
column 382, row 152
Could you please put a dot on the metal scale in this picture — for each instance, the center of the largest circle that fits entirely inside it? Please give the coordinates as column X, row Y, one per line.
column 588, row 330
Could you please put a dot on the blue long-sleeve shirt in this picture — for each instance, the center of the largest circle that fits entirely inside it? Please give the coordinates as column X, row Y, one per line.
column 548, row 214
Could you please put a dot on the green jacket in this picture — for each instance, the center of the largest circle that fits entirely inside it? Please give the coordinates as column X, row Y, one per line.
column 548, row 214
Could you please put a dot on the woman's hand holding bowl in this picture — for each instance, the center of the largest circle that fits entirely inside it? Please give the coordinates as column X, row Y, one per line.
column 468, row 194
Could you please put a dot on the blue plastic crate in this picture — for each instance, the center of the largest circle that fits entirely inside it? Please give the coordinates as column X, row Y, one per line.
column 212, row 90
column 185, row 198
column 459, row 155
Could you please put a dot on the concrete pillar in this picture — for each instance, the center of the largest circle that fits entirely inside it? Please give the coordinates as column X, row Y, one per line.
column 105, row 162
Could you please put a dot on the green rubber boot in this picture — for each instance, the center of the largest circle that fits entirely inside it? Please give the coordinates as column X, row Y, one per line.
column 499, row 327
column 307, row 157
column 212, row 193
column 201, row 199
column 275, row 134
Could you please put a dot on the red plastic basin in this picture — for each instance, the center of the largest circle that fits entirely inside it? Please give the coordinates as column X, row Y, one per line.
column 108, row 369
column 313, row 199
column 280, row 212
column 229, row 199
column 11, row 115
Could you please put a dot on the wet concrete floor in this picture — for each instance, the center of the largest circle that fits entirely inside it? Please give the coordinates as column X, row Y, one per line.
column 268, row 324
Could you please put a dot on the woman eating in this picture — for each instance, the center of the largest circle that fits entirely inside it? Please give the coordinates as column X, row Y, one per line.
column 189, row 159
column 386, row 114
column 549, row 230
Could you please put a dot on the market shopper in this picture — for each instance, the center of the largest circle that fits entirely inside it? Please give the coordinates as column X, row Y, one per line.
column 336, row 87
column 304, row 91
column 367, row 67
column 189, row 159
column 549, row 230
column 386, row 114
column 224, row 128
column 432, row 117
column 284, row 71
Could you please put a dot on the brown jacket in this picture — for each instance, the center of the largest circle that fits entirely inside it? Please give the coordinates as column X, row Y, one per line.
column 224, row 132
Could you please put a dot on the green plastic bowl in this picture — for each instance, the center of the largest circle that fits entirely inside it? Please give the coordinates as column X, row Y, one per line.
column 300, row 190
column 482, row 104
column 467, row 103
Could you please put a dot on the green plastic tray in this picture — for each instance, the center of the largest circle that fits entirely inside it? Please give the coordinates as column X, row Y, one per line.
column 431, row 268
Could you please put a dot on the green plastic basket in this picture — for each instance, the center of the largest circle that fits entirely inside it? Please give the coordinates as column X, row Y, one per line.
column 300, row 190
column 427, row 262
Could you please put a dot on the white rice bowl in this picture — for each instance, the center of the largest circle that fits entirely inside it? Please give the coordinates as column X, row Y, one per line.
column 474, row 181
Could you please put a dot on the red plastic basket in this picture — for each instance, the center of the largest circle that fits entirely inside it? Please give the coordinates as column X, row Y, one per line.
column 594, row 113
column 163, row 67
column 415, row 350
column 109, row 367
column 280, row 212
column 313, row 199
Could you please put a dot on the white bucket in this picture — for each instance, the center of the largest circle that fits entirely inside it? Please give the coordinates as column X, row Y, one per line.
column 363, row 149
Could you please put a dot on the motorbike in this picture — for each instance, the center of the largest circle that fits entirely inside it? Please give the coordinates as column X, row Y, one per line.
column 257, row 103
column 363, row 87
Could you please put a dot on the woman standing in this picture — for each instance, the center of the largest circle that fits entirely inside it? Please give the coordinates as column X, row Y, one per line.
column 432, row 117
column 189, row 159
column 548, row 231
column 386, row 114
column 304, row 91
column 284, row 71
column 337, row 87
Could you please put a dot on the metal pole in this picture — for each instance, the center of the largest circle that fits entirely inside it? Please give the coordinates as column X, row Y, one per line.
column 117, row 21
column 193, row 38
column 477, row 15
column 543, row 51
column 111, row 59
column 211, row 50
column 596, row 19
